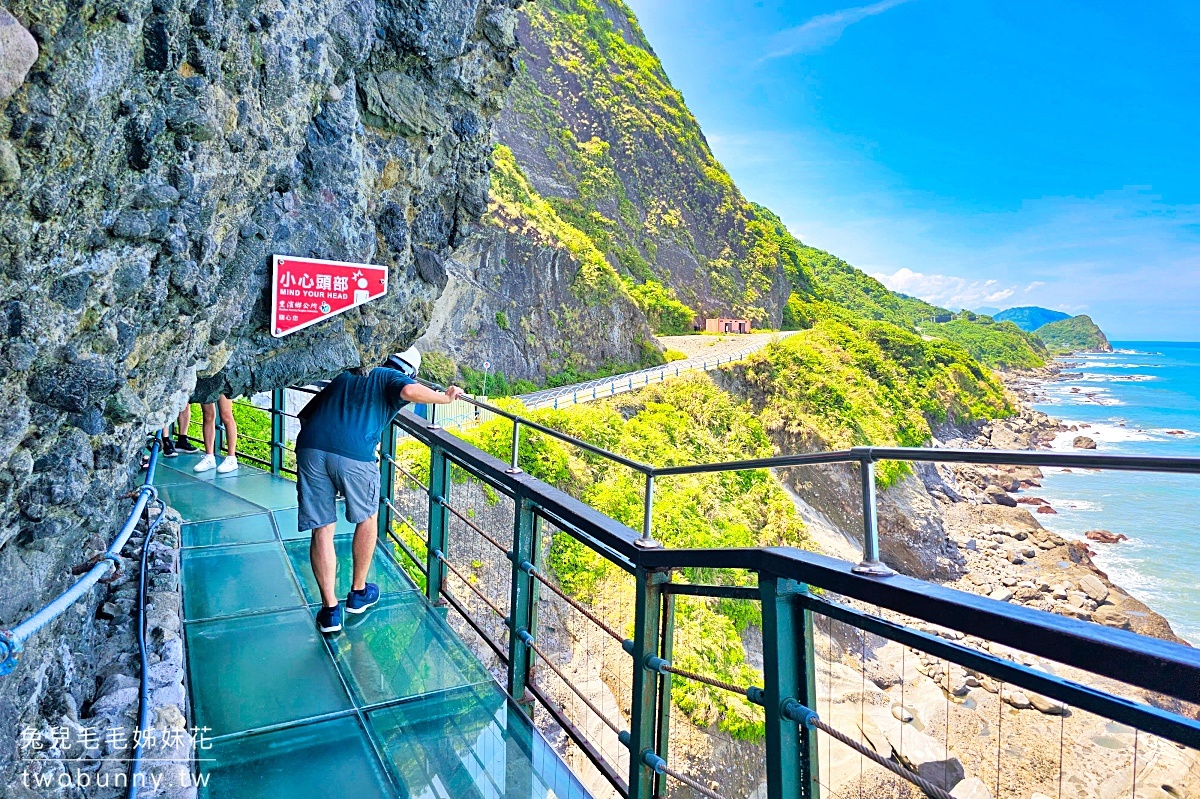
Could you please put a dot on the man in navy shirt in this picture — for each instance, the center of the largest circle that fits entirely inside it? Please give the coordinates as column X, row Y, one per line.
column 335, row 453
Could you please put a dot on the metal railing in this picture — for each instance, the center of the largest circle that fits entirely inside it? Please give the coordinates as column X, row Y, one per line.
column 602, row 387
column 794, row 587
column 474, row 531
column 12, row 642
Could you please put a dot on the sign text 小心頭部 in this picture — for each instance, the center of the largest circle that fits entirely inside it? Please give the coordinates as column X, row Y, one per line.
column 305, row 291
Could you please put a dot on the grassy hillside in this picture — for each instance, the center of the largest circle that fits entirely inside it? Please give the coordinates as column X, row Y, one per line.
column 1073, row 335
column 852, row 382
column 1001, row 345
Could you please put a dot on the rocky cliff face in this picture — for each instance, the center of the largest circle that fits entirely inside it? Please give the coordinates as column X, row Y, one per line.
column 152, row 158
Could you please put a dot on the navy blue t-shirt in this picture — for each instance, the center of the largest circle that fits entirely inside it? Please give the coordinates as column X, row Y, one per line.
column 347, row 417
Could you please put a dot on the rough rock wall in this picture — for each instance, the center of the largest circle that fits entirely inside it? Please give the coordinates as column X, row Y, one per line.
column 509, row 301
column 152, row 158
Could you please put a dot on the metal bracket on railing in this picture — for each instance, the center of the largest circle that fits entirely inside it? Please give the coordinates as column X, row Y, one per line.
column 656, row 763
column 528, row 567
column 627, row 645
column 526, row 637
column 655, row 663
column 624, row 737
column 798, row 713
column 757, row 695
column 118, row 569
column 10, row 651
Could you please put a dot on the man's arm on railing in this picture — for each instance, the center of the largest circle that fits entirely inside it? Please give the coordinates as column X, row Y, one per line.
column 415, row 392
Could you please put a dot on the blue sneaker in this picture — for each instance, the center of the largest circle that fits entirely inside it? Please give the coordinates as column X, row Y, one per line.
column 359, row 601
column 329, row 620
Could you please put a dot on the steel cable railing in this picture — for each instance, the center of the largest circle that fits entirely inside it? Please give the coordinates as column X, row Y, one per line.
column 12, row 641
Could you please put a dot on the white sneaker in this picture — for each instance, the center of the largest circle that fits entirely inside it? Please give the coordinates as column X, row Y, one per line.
column 228, row 465
column 206, row 463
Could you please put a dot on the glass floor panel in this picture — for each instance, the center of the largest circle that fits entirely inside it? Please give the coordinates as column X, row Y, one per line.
column 287, row 519
column 291, row 703
column 402, row 648
column 383, row 572
column 470, row 743
column 261, row 488
column 199, row 501
column 240, row 530
column 164, row 475
column 186, row 461
column 222, row 581
column 329, row 758
column 253, row 671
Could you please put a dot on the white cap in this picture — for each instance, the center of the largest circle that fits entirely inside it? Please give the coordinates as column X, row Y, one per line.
column 408, row 361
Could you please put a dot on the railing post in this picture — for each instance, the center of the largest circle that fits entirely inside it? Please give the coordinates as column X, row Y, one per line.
column 387, row 477
column 278, row 428
column 647, row 540
column 667, row 653
column 521, row 618
column 643, row 717
column 439, row 490
column 514, row 466
column 788, row 673
column 871, row 564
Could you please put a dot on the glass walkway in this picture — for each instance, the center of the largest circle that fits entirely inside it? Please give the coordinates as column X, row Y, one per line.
column 393, row 706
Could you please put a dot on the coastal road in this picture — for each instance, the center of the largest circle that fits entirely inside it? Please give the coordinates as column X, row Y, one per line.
column 703, row 353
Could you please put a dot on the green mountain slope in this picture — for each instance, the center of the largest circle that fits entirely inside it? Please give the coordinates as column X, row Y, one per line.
column 1001, row 345
column 1030, row 317
column 607, row 203
column 1078, row 333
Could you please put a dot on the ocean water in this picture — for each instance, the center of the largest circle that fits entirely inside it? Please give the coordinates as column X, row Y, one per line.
column 1142, row 399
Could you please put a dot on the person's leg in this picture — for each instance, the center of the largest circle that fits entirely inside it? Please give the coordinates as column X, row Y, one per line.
column 208, row 413
column 365, row 535
column 209, row 427
column 324, row 563
column 317, row 511
column 359, row 484
column 226, row 407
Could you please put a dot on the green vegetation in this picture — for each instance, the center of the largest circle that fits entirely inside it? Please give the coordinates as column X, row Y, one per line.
column 438, row 368
column 998, row 344
column 853, row 382
column 1073, row 335
column 670, row 356
column 666, row 314
column 502, row 320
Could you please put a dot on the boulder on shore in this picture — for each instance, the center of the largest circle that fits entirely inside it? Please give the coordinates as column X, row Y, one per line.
column 1105, row 536
column 1046, row 509
column 1084, row 442
column 998, row 496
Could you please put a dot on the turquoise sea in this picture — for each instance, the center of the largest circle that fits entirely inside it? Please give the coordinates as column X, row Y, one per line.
column 1144, row 398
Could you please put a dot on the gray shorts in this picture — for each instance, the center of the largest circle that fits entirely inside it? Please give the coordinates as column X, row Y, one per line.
column 321, row 476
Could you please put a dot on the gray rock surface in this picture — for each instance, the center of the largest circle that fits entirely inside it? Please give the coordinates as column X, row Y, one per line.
column 18, row 52
column 154, row 158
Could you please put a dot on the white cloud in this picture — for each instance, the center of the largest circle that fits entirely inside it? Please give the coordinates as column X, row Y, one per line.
column 1035, row 284
column 948, row 291
column 824, row 29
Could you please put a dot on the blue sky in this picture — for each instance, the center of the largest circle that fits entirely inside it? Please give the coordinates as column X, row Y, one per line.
column 971, row 153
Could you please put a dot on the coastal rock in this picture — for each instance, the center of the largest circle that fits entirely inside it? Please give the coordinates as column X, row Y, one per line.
column 1083, row 442
column 1031, row 501
column 1105, row 536
column 18, row 52
column 1044, row 704
column 1095, row 589
column 971, row 788
column 999, row 496
column 926, row 756
column 1110, row 616
column 1001, row 595
column 874, row 736
column 1017, row 699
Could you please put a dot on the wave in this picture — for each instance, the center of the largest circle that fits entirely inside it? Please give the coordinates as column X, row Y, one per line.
column 1094, row 377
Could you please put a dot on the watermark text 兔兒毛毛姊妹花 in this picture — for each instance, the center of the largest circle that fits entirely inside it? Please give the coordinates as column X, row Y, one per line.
column 81, row 757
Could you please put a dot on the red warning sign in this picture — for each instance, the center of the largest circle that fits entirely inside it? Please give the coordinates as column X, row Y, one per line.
column 305, row 291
